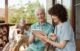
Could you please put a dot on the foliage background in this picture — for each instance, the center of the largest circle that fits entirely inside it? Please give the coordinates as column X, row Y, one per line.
column 24, row 12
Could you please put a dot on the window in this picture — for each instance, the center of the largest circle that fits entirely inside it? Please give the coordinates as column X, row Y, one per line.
column 23, row 9
column 2, row 9
column 77, row 18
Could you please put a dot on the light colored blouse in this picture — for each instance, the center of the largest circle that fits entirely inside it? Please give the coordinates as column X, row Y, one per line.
column 64, row 32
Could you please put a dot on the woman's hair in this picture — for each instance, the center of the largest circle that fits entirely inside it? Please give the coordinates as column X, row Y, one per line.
column 41, row 9
column 60, row 11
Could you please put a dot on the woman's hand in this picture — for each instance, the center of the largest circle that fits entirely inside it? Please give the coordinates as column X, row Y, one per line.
column 53, row 36
column 41, row 36
column 44, row 39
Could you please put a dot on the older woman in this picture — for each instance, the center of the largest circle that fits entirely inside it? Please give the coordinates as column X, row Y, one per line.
column 63, row 30
column 36, row 42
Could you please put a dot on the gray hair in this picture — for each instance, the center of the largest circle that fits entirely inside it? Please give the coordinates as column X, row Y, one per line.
column 41, row 9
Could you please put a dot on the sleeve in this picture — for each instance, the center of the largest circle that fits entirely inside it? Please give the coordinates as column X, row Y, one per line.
column 66, row 33
column 51, row 29
column 32, row 27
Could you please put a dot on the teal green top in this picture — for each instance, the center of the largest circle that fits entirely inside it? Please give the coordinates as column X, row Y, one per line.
column 37, row 45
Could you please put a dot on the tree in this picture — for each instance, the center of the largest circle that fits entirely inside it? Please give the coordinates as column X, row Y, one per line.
column 24, row 12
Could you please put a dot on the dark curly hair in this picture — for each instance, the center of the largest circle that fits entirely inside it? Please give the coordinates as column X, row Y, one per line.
column 60, row 11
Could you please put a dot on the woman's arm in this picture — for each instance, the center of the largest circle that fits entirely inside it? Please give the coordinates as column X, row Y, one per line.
column 31, row 39
column 58, row 45
column 40, row 35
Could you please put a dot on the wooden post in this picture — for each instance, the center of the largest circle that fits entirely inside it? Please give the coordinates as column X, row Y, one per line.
column 72, row 19
column 6, row 11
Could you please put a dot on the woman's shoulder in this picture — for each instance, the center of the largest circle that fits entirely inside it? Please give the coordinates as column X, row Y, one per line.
column 34, row 25
column 67, row 26
column 67, row 23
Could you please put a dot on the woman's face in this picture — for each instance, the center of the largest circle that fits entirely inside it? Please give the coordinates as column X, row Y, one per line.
column 40, row 15
column 55, row 19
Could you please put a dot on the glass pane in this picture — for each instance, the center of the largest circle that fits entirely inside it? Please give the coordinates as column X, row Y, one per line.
column 58, row 1
column 2, row 9
column 23, row 9
column 67, row 4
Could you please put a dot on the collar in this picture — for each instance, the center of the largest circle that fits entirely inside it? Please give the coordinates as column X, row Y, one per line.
column 42, row 24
